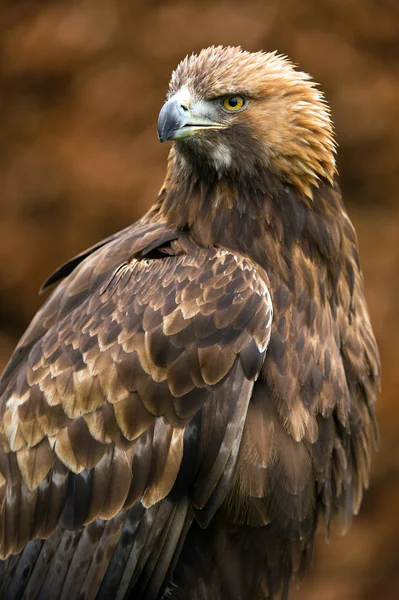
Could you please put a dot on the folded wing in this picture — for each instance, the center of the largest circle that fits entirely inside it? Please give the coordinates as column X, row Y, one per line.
column 130, row 386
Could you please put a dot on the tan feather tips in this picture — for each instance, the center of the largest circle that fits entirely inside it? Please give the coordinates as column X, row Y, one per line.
column 35, row 463
column 286, row 117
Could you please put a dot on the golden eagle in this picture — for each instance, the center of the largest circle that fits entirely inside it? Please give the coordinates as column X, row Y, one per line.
column 198, row 391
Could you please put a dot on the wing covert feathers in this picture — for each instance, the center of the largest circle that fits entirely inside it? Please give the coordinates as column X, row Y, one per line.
column 99, row 394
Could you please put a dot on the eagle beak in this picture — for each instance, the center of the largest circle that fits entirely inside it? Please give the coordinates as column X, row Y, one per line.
column 176, row 121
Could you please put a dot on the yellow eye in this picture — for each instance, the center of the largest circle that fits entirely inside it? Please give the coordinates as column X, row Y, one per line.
column 233, row 103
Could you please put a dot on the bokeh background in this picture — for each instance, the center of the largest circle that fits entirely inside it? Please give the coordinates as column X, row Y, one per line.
column 81, row 84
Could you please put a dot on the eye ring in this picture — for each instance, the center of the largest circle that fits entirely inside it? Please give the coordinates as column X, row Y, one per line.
column 233, row 102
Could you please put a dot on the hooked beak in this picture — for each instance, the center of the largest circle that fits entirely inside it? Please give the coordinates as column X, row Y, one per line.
column 176, row 121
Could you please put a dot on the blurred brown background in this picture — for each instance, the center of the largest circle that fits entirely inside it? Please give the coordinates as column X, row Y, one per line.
column 81, row 84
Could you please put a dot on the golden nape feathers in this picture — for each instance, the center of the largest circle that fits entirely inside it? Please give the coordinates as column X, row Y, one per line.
column 198, row 391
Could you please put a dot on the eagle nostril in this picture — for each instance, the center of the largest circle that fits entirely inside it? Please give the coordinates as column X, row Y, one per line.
column 183, row 107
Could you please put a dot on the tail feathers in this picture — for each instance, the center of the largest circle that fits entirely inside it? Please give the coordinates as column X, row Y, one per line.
column 127, row 556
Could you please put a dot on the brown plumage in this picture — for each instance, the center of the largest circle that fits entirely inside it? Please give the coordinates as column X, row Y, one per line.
column 198, row 392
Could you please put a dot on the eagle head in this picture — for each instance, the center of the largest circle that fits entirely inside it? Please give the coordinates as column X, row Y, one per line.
column 242, row 113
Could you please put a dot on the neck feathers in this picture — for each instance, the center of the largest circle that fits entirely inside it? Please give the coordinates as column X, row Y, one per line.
column 236, row 213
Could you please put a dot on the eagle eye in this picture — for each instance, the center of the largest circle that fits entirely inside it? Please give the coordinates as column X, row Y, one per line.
column 233, row 103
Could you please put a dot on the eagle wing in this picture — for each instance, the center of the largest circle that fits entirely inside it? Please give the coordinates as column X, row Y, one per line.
column 131, row 385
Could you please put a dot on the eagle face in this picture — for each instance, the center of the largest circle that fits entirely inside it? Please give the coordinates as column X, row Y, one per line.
column 241, row 114
column 206, row 128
